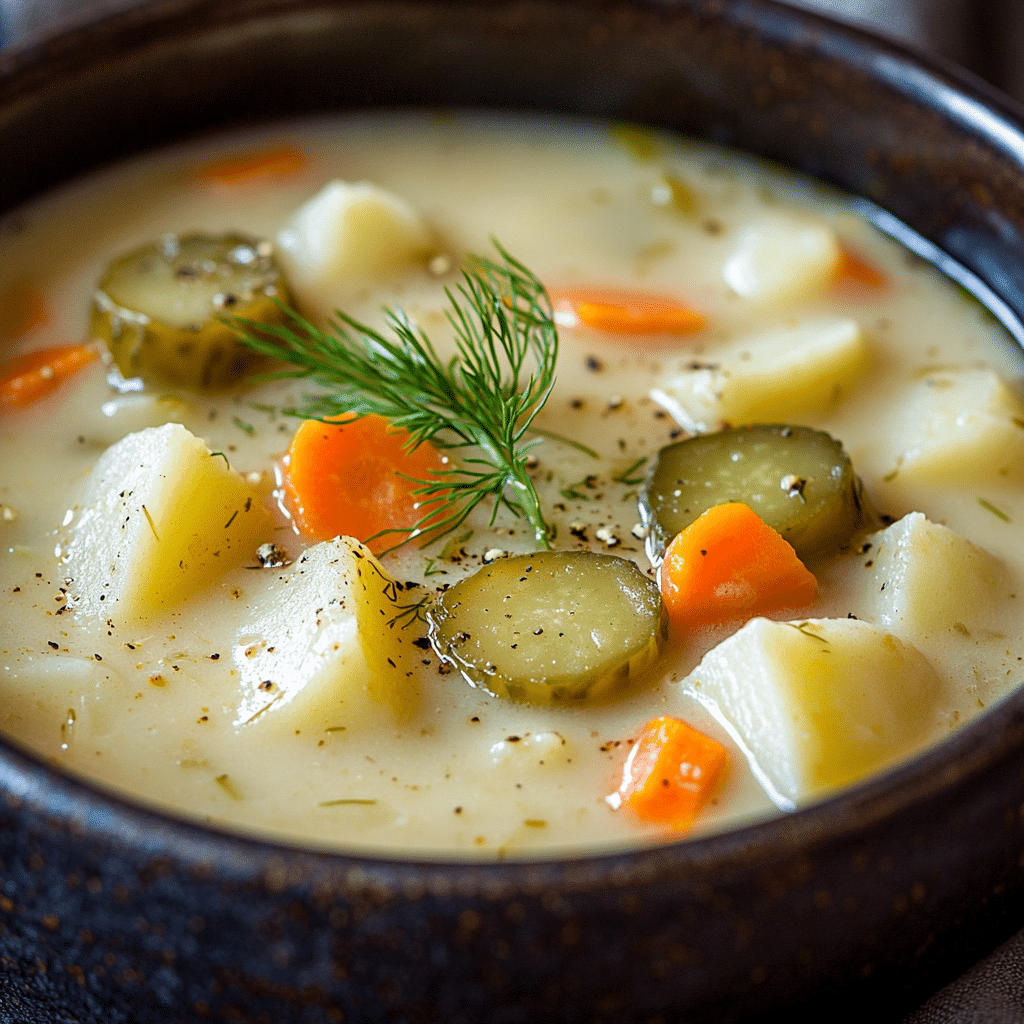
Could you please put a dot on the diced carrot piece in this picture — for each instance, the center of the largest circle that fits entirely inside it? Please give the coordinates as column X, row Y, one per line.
column 28, row 378
column 852, row 269
column 619, row 311
column 349, row 477
column 670, row 773
column 21, row 308
column 730, row 564
column 268, row 163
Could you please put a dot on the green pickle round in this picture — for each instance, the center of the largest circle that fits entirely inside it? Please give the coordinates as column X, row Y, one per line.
column 800, row 481
column 565, row 627
column 159, row 308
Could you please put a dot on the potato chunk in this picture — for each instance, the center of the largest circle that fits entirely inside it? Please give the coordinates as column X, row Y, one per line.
column 320, row 647
column 960, row 424
column 781, row 255
column 349, row 232
column 162, row 518
column 822, row 703
column 801, row 369
column 923, row 581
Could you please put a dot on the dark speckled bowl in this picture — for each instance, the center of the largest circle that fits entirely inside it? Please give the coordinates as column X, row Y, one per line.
column 110, row 913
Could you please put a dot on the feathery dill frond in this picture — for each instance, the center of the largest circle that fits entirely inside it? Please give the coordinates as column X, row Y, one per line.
column 482, row 400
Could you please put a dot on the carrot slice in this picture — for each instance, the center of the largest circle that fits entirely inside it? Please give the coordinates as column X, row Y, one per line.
column 729, row 564
column 21, row 308
column 348, row 477
column 30, row 377
column 852, row 269
column 619, row 311
column 670, row 773
column 278, row 162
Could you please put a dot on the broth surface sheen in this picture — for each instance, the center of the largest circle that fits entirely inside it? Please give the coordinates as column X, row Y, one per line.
column 152, row 709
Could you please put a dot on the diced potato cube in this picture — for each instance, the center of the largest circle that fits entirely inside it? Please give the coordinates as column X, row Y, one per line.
column 320, row 647
column 795, row 370
column 801, row 369
column 781, row 255
column 162, row 518
column 821, row 703
column 960, row 423
column 350, row 232
column 922, row 580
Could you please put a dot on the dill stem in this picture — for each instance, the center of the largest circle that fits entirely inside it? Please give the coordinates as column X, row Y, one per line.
column 526, row 497
column 524, row 494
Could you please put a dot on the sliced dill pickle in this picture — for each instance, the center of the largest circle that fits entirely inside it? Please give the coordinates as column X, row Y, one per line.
column 555, row 627
column 798, row 480
column 159, row 308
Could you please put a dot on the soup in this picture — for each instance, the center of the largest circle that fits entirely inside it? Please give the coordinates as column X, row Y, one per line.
column 297, row 687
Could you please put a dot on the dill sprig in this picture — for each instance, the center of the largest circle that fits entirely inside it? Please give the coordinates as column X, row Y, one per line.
column 481, row 401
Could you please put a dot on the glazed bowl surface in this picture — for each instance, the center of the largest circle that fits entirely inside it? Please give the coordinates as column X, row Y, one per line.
column 113, row 913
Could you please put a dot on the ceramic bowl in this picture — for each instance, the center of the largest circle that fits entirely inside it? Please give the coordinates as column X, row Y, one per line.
column 113, row 913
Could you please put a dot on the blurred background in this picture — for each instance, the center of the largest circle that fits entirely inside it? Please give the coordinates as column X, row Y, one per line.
column 986, row 36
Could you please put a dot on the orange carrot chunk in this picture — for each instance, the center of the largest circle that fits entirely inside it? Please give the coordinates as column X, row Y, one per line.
column 730, row 564
column 618, row 311
column 852, row 269
column 670, row 773
column 245, row 167
column 21, row 308
column 348, row 477
column 28, row 378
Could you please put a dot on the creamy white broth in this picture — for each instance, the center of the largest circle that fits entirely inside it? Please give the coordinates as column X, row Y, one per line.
column 152, row 710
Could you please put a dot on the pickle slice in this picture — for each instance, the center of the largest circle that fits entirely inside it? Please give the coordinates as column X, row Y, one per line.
column 158, row 308
column 798, row 480
column 563, row 627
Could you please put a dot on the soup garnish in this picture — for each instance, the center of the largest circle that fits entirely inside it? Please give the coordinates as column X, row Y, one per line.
column 484, row 398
